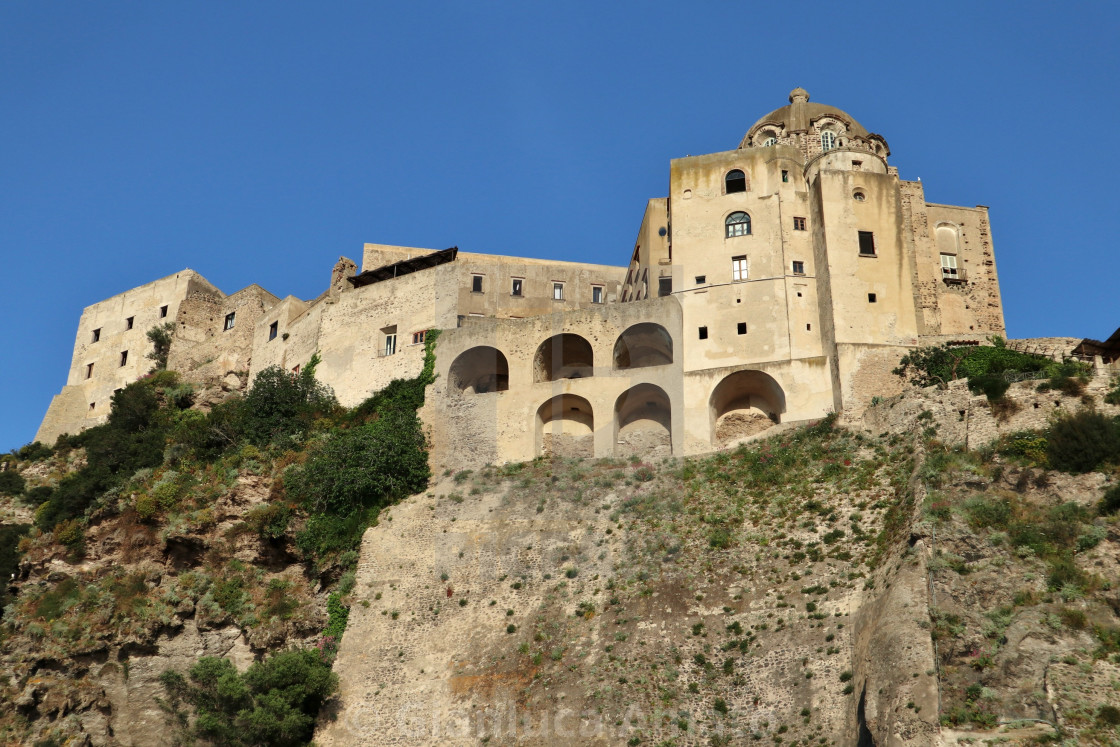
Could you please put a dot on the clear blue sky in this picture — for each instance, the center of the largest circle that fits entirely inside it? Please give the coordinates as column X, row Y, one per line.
column 258, row 142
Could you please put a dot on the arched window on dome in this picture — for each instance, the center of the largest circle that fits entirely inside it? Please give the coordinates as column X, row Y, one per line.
column 735, row 181
column 769, row 140
column 737, row 224
column 828, row 140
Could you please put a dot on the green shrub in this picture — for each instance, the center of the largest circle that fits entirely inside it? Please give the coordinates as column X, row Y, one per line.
column 274, row 703
column 281, row 405
column 33, row 452
column 160, row 337
column 10, row 535
column 986, row 511
column 12, row 483
column 337, row 616
column 1110, row 503
column 270, row 520
column 1083, row 441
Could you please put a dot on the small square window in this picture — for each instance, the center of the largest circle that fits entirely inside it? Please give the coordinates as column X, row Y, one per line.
column 229, row 321
column 418, row 337
column 798, row 268
column 799, row 294
column 96, row 335
column 273, row 329
column 798, row 224
column 703, row 333
column 515, row 289
column 866, row 244
column 124, row 357
column 871, row 298
column 162, row 312
column 557, row 291
column 476, row 283
column 701, row 279
column 664, row 286
column 89, row 370
column 785, row 175
column 92, row 405
column 596, row 294
column 808, row 327
column 741, row 328
column 129, row 322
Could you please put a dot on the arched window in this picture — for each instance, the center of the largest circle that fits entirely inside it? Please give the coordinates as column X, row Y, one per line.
column 738, row 224
column 735, row 181
column 771, row 140
column 828, row 140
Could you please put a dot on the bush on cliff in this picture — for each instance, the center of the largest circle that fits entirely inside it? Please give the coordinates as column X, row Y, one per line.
column 1083, row 441
column 275, row 702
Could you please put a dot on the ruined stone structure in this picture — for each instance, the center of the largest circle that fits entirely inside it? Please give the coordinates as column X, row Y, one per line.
column 778, row 281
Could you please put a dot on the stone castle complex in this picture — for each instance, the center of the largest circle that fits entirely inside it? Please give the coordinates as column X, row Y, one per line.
column 778, row 281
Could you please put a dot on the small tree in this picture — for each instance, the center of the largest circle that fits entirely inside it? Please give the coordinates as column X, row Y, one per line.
column 160, row 336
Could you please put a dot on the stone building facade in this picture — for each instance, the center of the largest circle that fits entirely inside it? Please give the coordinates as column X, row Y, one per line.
column 778, row 281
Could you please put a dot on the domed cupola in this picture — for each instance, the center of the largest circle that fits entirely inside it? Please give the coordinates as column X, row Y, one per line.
column 813, row 129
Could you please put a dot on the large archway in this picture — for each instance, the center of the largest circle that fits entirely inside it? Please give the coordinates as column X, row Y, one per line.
column 565, row 427
column 744, row 403
column 479, row 370
column 643, row 422
column 641, row 345
column 564, row 356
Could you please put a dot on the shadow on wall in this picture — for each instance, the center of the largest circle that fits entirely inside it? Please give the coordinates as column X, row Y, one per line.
column 565, row 427
column 744, row 403
column 478, row 371
column 643, row 423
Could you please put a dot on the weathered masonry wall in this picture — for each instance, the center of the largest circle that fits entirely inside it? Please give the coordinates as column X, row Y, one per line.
column 111, row 348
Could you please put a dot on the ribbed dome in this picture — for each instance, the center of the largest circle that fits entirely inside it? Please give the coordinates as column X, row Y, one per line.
column 799, row 114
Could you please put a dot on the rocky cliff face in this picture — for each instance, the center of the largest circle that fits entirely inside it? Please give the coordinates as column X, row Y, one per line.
column 879, row 583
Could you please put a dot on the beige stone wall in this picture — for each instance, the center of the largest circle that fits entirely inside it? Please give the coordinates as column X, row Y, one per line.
column 85, row 399
column 202, row 349
column 972, row 305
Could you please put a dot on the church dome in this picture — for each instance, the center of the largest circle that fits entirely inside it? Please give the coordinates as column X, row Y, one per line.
column 809, row 118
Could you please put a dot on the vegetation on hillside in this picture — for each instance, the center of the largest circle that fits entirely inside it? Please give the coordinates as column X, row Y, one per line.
column 156, row 472
column 990, row 370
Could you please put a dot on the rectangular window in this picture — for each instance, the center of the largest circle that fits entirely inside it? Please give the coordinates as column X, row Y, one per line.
column 89, row 370
column 295, row 369
column 96, row 335
column 738, row 268
column 866, row 244
column 808, row 327
column 871, row 298
column 664, row 286
column 390, row 343
column 703, row 333
column 229, row 321
column 785, row 175
column 741, row 328
column 418, row 337
column 517, row 285
column 701, row 279
column 798, row 268
column 128, row 322
column 798, row 224
column 557, row 291
column 596, row 294
column 162, row 312
column 273, row 329
column 124, row 357
column 476, row 283
column 949, row 266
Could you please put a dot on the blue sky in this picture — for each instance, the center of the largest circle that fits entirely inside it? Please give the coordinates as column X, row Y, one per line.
column 258, row 142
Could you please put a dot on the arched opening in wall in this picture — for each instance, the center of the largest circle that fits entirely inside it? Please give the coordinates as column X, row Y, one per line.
column 642, row 345
column 744, row 403
column 565, row 356
column 565, row 427
column 643, row 422
column 479, row 370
